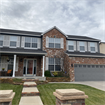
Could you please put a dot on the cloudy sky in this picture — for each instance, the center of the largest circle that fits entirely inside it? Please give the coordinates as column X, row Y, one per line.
column 73, row 17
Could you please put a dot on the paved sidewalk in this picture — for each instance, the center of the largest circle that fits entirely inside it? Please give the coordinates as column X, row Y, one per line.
column 30, row 94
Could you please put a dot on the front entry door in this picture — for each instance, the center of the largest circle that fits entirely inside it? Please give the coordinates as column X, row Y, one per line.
column 29, row 66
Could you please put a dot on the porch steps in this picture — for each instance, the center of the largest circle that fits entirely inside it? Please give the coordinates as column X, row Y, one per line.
column 30, row 93
column 29, row 84
column 30, row 80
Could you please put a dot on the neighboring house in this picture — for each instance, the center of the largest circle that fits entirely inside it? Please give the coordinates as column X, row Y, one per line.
column 102, row 47
column 31, row 53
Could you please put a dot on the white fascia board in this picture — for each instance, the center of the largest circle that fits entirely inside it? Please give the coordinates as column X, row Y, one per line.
column 85, row 55
column 21, row 52
column 53, row 28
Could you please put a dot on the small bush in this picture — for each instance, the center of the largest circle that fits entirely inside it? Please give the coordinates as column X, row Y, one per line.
column 47, row 73
column 55, row 74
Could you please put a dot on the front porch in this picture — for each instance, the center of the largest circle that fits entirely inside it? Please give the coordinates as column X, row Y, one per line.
column 22, row 65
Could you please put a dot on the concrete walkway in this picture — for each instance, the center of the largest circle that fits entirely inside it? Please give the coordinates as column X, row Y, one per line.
column 30, row 94
column 96, row 84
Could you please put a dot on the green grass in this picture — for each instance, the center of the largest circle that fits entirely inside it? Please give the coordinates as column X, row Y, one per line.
column 17, row 80
column 16, row 88
column 96, row 97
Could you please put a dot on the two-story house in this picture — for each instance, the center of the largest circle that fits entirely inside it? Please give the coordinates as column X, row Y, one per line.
column 31, row 53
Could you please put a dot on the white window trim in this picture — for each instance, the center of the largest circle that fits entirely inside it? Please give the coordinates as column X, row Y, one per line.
column 13, row 41
column 82, row 46
column 52, row 64
column 70, row 45
column 94, row 47
column 55, row 43
column 31, row 44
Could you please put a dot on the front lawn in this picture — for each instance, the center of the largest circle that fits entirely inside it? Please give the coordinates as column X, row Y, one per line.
column 96, row 97
column 16, row 88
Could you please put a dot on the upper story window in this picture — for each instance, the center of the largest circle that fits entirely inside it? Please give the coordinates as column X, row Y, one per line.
column 13, row 41
column 82, row 46
column 92, row 46
column 54, row 43
column 30, row 42
column 71, row 45
column 1, row 40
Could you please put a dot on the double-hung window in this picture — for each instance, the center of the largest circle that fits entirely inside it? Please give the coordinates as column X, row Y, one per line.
column 71, row 45
column 30, row 42
column 1, row 40
column 54, row 64
column 82, row 46
column 92, row 46
column 13, row 41
column 54, row 43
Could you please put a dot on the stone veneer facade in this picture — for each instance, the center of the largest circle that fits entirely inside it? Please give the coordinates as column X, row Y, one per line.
column 51, row 52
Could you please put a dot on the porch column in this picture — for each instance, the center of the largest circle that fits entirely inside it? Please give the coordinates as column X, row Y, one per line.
column 14, row 66
column 43, row 67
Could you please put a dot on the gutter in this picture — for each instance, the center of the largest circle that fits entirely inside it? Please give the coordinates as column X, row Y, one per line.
column 86, row 55
column 22, row 52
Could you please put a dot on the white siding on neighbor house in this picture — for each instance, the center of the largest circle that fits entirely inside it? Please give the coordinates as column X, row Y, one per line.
column 66, row 44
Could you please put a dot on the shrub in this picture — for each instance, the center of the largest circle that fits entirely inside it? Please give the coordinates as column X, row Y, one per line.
column 55, row 74
column 47, row 73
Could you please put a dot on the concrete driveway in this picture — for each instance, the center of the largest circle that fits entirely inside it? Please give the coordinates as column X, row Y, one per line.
column 96, row 84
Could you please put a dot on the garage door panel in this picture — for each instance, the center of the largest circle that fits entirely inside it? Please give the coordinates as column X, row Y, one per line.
column 89, row 72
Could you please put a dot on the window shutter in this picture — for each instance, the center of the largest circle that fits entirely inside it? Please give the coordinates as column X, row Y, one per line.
column 96, row 50
column 85, row 46
column 62, row 45
column 88, row 46
column 47, row 41
column 39, row 43
column 78, row 46
column 74, row 45
column 4, row 63
column 6, row 41
column 46, row 63
column 18, row 41
column 66, row 45
column 17, row 59
column 22, row 41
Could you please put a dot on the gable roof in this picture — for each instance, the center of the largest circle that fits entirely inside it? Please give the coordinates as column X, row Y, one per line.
column 53, row 28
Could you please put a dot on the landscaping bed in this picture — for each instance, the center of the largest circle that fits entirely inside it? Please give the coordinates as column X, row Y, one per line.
column 96, row 97
column 58, row 79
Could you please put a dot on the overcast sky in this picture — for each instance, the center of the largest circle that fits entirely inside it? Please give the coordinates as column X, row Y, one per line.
column 73, row 17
